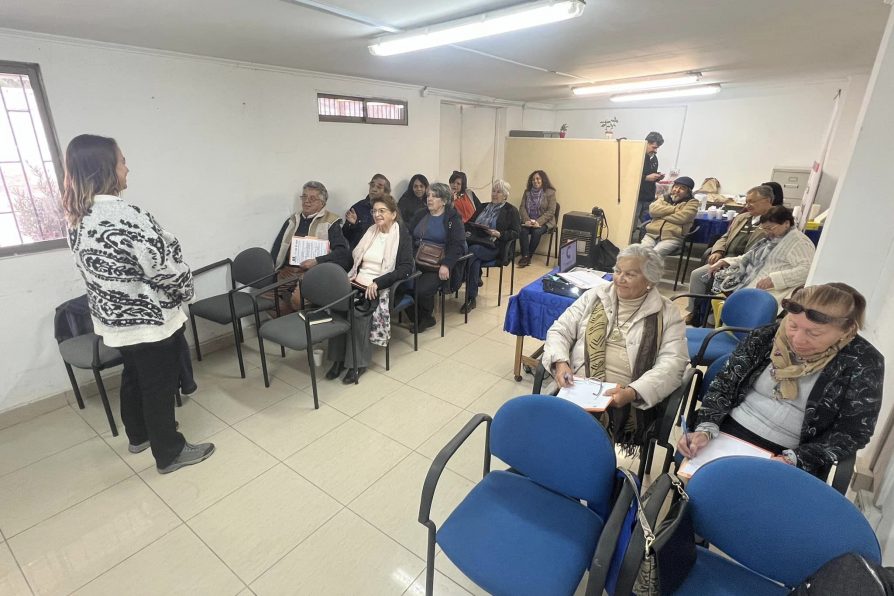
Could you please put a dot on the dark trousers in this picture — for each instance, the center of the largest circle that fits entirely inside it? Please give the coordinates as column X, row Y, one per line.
column 482, row 254
column 148, row 384
column 426, row 287
column 186, row 381
column 529, row 239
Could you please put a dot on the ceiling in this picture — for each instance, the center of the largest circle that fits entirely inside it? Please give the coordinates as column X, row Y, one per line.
column 739, row 43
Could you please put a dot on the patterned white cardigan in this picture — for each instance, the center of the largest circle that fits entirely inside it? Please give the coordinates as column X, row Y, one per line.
column 135, row 275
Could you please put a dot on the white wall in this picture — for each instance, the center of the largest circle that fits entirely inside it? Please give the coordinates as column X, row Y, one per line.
column 217, row 152
column 737, row 140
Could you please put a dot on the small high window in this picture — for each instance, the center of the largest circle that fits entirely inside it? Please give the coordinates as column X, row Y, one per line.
column 31, row 216
column 343, row 108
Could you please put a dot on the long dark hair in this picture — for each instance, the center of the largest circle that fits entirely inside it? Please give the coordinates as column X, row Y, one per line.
column 547, row 185
column 90, row 170
column 409, row 192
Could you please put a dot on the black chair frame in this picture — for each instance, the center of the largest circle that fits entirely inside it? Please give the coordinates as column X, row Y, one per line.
column 391, row 298
column 100, row 386
column 699, row 357
column 553, row 237
column 236, row 322
column 445, row 289
column 507, row 258
column 307, row 328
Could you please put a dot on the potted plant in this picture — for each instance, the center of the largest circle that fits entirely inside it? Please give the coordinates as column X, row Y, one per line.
column 608, row 127
column 563, row 130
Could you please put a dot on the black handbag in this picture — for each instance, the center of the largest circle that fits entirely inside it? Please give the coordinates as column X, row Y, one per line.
column 659, row 555
column 604, row 255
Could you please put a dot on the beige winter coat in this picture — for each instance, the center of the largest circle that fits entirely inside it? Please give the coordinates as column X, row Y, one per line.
column 671, row 221
column 565, row 341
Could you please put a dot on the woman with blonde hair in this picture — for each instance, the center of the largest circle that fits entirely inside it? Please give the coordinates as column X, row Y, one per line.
column 808, row 389
column 136, row 283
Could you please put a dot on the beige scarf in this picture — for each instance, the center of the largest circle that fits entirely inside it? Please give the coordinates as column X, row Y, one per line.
column 787, row 368
column 392, row 240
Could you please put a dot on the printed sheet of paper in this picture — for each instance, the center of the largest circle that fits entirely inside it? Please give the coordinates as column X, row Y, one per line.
column 587, row 395
column 584, row 278
column 304, row 248
column 723, row 446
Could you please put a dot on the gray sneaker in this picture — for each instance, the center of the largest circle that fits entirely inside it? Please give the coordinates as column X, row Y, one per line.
column 191, row 454
column 145, row 444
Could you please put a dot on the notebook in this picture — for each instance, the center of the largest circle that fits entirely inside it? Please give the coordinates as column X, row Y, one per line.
column 723, row 446
column 588, row 394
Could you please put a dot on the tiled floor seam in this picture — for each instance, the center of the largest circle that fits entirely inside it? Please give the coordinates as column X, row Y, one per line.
column 36, row 461
column 16, row 559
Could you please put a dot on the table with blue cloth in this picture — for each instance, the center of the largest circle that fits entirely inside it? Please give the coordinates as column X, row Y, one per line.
column 532, row 312
column 709, row 229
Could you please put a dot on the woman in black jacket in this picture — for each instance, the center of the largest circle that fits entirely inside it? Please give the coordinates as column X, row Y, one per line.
column 808, row 389
column 442, row 225
column 493, row 226
column 414, row 198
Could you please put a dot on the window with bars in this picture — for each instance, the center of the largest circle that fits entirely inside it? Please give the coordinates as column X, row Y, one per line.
column 344, row 108
column 31, row 216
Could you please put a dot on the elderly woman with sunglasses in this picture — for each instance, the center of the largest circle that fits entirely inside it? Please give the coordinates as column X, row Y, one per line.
column 626, row 333
column 808, row 389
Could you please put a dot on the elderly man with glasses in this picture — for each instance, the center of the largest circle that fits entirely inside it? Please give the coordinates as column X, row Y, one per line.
column 311, row 219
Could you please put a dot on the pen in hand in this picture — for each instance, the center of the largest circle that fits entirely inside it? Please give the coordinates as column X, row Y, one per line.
column 685, row 428
column 568, row 378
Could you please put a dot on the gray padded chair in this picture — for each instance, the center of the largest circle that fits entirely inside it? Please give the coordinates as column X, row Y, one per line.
column 325, row 285
column 80, row 347
column 252, row 268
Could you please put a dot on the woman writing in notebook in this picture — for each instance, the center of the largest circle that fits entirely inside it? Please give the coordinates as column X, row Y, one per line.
column 808, row 389
column 625, row 333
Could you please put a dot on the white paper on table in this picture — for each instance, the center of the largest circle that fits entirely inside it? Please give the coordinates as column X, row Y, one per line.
column 584, row 278
column 587, row 394
column 306, row 247
column 723, row 446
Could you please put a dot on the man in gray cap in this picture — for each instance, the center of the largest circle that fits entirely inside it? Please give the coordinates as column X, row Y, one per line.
column 672, row 216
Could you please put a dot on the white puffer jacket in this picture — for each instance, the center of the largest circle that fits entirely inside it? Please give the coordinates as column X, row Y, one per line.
column 566, row 339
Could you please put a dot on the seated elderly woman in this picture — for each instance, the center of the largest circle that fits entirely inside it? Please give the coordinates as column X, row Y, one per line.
column 440, row 224
column 778, row 263
column 627, row 333
column 672, row 216
column 383, row 256
column 808, row 389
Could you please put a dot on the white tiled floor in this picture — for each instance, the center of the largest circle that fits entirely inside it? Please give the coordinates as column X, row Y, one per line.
column 294, row 501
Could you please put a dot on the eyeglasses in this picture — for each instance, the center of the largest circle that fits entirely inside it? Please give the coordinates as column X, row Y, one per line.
column 310, row 198
column 380, row 211
column 812, row 315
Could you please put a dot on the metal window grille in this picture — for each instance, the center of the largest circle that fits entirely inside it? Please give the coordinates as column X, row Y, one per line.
column 341, row 108
column 31, row 216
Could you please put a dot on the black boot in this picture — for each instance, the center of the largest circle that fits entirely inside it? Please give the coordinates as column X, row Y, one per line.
column 353, row 375
column 336, row 369
column 468, row 306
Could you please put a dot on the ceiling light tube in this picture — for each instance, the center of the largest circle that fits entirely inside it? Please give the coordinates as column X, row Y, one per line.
column 660, row 82
column 530, row 14
column 685, row 92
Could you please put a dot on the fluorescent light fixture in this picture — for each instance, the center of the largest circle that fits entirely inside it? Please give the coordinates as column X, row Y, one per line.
column 685, row 92
column 679, row 79
column 530, row 14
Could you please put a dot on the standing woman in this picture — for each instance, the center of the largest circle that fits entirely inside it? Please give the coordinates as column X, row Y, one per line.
column 383, row 256
column 538, row 214
column 464, row 200
column 414, row 198
column 502, row 224
column 136, row 284
column 439, row 224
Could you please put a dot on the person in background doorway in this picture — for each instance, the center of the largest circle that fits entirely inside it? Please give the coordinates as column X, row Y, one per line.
column 651, row 175
column 136, row 284
column 359, row 217
column 672, row 216
column 778, row 195
column 414, row 199
column 464, row 199
column 538, row 214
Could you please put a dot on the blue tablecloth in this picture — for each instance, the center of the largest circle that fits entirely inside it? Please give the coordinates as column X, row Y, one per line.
column 709, row 229
column 532, row 311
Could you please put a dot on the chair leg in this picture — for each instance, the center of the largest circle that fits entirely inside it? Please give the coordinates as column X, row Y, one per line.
column 354, row 360
column 430, row 563
column 74, row 386
column 443, row 314
column 105, row 401
column 282, row 350
column 388, row 356
column 264, row 359
column 416, row 329
column 500, row 287
column 195, row 336
column 238, row 342
column 313, row 374
column 178, row 399
column 241, row 334
column 512, row 276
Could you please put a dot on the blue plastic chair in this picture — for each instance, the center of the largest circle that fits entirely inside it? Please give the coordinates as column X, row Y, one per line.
column 779, row 524
column 744, row 310
column 528, row 532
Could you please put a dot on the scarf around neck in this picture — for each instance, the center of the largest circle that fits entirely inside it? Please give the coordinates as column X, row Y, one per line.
column 392, row 240
column 534, row 203
column 787, row 368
